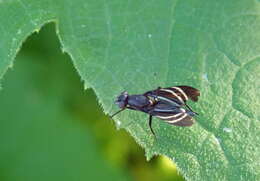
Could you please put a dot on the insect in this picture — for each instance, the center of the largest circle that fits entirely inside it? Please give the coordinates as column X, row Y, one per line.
column 168, row 104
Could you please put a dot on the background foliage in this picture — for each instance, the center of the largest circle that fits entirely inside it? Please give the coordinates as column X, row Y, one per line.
column 136, row 46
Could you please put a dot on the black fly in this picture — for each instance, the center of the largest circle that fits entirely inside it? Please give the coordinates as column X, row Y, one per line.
column 168, row 104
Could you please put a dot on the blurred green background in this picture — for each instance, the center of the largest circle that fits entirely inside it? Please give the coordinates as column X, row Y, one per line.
column 53, row 129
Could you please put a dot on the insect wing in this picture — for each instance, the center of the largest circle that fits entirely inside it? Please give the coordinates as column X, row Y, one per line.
column 190, row 92
column 165, row 96
column 185, row 121
column 173, row 115
column 178, row 94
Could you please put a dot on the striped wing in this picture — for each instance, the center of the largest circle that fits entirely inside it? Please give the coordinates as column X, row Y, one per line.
column 179, row 94
column 173, row 114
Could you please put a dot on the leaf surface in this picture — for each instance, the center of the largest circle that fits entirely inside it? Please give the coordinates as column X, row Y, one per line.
column 140, row 45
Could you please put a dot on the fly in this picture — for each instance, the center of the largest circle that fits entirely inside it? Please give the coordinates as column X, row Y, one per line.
column 168, row 104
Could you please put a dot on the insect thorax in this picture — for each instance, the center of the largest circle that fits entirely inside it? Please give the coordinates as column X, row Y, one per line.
column 138, row 101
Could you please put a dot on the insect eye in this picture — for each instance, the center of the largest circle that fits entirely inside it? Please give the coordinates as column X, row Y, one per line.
column 121, row 104
column 121, row 98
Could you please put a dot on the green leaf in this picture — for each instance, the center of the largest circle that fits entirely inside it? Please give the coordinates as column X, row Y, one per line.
column 140, row 45
column 40, row 139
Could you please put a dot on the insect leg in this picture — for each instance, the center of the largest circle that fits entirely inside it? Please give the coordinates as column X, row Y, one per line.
column 190, row 108
column 116, row 113
column 150, row 124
